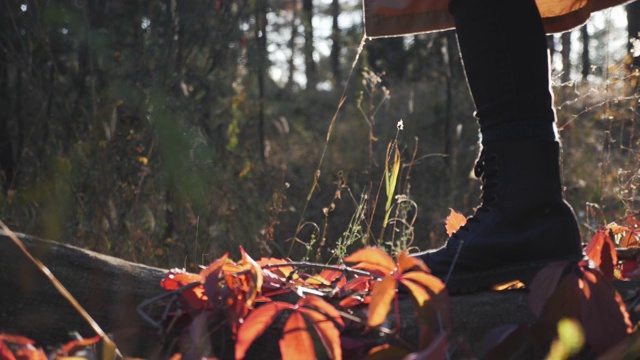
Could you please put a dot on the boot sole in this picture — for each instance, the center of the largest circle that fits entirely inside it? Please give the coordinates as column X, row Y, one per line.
column 465, row 283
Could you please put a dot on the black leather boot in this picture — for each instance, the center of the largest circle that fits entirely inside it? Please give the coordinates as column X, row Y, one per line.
column 522, row 224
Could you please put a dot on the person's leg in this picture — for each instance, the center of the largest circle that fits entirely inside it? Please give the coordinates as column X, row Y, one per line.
column 523, row 221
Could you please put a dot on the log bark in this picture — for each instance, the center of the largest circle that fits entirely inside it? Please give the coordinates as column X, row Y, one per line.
column 111, row 289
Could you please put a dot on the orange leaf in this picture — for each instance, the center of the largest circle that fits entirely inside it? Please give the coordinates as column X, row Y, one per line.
column 327, row 332
column 544, row 285
column 352, row 301
column 629, row 269
column 74, row 346
column 5, row 352
column 16, row 339
column 616, row 229
column 381, row 296
column 584, row 294
column 256, row 323
column 603, row 253
column 22, row 346
column 296, row 342
column 177, row 278
column 374, row 269
column 283, row 271
column 334, row 277
column 427, row 280
column 324, row 318
column 629, row 240
column 426, row 316
column 321, row 306
column 272, row 280
column 454, row 221
column 362, row 283
column 604, row 315
column 210, row 279
column 419, row 294
column 372, row 256
column 317, row 280
column 256, row 276
column 212, row 272
column 439, row 296
column 406, row 262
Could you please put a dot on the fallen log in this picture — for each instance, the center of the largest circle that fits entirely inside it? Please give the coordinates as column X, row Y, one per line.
column 111, row 289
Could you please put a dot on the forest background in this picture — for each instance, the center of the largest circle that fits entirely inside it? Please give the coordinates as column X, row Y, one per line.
column 169, row 132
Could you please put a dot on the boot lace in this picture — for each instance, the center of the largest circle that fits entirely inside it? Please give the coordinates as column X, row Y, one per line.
column 486, row 171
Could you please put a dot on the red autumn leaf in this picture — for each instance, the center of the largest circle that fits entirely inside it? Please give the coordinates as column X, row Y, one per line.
column 352, row 301
column 427, row 280
column 317, row 281
column 16, row 339
column 327, row 332
column 236, row 310
column 282, row 271
column 256, row 276
column 454, row 221
column 272, row 280
column 381, row 297
column 323, row 317
column 427, row 319
column 334, row 277
column 177, row 278
column 315, row 302
column 583, row 294
column 194, row 296
column 439, row 297
column 604, row 315
column 210, row 276
column 372, row 259
column 5, row 352
column 362, row 284
column 616, row 229
column 629, row 269
column 296, row 342
column 602, row 251
column 630, row 239
column 23, row 348
column 74, row 346
column 256, row 323
column 432, row 303
column 544, row 285
column 407, row 262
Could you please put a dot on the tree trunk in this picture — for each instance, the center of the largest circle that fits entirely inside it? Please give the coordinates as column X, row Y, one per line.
column 292, row 44
column 586, row 60
column 335, row 42
column 261, row 43
column 7, row 161
column 633, row 26
column 566, row 56
column 309, row 63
